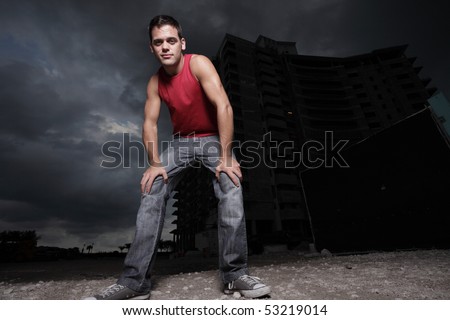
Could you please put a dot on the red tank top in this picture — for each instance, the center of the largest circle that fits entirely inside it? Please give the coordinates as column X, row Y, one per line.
column 190, row 109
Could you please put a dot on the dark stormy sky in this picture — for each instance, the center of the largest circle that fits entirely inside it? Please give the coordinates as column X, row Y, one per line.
column 73, row 76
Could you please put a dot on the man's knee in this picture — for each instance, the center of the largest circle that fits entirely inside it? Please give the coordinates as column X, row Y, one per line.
column 227, row 184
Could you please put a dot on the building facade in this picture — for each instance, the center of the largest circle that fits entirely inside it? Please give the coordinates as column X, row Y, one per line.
column 282, row 101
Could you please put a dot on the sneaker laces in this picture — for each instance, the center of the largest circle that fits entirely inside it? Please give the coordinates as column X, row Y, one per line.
column 249, row 280
column 111, row 290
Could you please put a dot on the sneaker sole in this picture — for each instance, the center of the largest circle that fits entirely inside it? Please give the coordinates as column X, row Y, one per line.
column 256, row 293
column 141, row 297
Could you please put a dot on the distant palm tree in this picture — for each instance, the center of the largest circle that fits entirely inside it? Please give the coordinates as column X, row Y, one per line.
column 121, row 248
column 90, row 247
column 127, row 246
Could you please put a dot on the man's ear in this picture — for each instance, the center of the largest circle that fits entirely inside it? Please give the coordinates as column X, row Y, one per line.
column 150, row 46
column 183, row 44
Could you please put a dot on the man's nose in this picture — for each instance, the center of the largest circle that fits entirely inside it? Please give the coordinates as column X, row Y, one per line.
column 165, row 45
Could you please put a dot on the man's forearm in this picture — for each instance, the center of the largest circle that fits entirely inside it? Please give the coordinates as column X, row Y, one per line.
column 150, row 140
column 226, row 129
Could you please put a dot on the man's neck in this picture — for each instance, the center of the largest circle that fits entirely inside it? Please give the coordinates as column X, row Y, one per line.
column 175, row 69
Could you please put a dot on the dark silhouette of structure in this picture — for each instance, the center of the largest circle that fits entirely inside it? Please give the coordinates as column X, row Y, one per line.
column 18, row 245
column 279, row 96
column 394, row 195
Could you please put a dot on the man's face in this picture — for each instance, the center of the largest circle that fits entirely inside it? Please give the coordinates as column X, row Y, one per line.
column 167, row 46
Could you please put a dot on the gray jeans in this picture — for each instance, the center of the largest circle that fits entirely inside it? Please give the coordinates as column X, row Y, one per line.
column 181, row 153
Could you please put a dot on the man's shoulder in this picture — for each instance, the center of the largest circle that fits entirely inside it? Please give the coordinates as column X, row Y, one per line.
column 199, row 63
column 157, row 76
column 153, row 82
column 198, row 57
column 154, row 78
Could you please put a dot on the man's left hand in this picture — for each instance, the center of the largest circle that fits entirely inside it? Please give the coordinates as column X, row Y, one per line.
column 231, row 167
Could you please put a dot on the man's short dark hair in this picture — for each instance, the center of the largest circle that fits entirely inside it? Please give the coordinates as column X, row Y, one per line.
column 162, row 20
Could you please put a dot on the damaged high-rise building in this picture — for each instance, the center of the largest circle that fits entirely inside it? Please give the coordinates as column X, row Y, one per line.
column 282, row 101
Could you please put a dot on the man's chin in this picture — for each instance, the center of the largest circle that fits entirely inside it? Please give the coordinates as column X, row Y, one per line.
column 167, row 62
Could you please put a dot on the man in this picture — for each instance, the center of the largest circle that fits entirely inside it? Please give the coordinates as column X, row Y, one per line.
column 202, row 120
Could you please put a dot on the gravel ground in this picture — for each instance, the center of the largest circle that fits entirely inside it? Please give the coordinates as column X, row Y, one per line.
column 422, row 274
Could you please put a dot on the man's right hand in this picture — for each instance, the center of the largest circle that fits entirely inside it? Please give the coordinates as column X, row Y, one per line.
column 150, row 175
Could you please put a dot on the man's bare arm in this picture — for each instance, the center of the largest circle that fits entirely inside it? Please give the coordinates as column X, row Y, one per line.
column 207, row 75
column 150, row 136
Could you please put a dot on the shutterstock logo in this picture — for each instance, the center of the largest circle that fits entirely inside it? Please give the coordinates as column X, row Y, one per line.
column 281, row 154
column 268, row 152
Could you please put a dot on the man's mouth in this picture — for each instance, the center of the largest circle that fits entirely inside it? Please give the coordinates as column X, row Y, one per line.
column 166, row 56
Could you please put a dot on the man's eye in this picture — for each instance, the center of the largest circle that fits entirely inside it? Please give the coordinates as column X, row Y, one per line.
column 157, row 43
column 172, row 41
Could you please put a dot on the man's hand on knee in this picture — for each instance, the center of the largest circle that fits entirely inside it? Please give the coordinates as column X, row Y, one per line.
column 231, row 167
column 149, row 177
